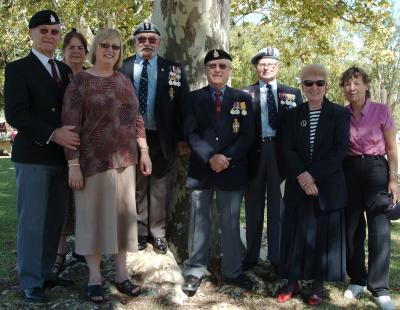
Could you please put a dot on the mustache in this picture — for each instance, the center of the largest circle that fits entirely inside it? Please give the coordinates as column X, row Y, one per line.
column 147, row 48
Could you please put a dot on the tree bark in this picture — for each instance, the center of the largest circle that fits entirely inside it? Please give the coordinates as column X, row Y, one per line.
column 189, row 29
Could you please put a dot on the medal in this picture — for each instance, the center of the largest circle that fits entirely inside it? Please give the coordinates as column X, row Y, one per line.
column 243, row 108
column 235, row 126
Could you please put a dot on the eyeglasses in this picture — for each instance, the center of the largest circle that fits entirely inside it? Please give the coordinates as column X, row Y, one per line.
column 107, row 45
column 214, row 66
column 152, row 40
column 310, row 83
column 54, row 32
column 268, row 66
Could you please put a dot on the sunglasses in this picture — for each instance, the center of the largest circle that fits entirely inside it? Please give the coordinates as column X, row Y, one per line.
column 107, row 45
column 310, row 83
column 152, row 40
column 54, row 32
column 214, row 66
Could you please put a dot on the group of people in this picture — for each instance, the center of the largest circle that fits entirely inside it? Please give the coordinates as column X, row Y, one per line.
column 88, row 130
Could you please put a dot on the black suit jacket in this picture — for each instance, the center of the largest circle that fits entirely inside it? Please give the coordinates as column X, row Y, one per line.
column 330, row 147
column 168, row 109
column 283, row 107
column 32, row 105
column 207, row 137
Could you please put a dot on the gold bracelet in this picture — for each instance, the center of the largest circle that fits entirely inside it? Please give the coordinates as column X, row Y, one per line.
column 70, row 165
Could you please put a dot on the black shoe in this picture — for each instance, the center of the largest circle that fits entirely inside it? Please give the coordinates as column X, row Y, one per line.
column 242, row 281
column 160, row 245
column 142, row 242
column 34, row 294
column 191, row 285
column 57, row 281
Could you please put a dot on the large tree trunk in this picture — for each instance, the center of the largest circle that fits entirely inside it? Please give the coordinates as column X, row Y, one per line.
column 189, row 29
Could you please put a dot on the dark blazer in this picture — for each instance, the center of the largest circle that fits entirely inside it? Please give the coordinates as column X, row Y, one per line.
column 32, row 105
column 169, row 104
column 330, row 147
column 283, row 107
column 207, row 137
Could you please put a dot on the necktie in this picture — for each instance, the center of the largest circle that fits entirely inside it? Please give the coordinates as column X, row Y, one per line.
column 143, row 88
column 272, row 112
column 54, row 73
column 218, row 105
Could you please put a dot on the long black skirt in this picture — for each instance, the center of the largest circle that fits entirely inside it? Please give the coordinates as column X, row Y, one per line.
column 313, row 243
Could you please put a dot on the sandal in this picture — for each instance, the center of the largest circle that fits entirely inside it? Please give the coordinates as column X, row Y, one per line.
column 59, row 266
column 94, row 291
column 128, row 288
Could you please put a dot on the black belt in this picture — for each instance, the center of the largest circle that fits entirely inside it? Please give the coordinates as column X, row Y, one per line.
column 366, row 157
column 268, row 138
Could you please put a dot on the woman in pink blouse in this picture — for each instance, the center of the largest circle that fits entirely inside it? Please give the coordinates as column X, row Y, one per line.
column 372, row 136
column 101, row 103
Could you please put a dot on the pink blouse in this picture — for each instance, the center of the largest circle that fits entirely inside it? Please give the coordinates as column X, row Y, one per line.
column 366, row 134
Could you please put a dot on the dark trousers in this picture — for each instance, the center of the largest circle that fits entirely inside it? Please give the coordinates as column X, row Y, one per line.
column 365, row 177
column 267, row 180
column 152, row 191
column 42, row 194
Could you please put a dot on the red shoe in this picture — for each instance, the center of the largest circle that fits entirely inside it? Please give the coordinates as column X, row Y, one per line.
column 287, row 293
column 314, row 300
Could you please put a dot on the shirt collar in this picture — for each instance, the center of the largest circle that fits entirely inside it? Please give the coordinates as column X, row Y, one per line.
column 364, row 110
column 213, row 90
column 273, row 83
column 43, row 58
column 152, row 60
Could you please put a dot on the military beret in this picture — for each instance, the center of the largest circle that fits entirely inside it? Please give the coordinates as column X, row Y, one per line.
column 216, row 54
column 146, row 27
column 45, row 17
column 267, row 52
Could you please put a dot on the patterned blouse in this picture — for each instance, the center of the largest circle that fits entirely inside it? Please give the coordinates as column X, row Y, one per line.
column 104, row 111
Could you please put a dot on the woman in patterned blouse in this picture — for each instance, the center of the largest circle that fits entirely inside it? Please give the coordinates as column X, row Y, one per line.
column 102, row 106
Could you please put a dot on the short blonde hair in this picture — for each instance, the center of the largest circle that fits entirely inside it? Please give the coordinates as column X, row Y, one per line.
column 100, row 37
column 314, row 69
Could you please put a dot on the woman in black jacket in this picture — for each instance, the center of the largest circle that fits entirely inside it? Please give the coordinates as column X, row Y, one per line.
column 315, row 144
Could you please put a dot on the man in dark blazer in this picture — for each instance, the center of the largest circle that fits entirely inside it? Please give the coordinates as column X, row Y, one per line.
column 271, row 101
column 33, row 93
column 220, row 130
column 161, row 88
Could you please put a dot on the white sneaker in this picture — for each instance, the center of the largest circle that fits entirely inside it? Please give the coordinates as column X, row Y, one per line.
column 385, row 303
column 354, row 290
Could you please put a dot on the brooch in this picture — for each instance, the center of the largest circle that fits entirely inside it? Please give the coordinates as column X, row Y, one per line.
column 235, row 126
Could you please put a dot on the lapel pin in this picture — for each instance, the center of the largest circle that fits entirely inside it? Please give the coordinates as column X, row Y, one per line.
column 303, row 123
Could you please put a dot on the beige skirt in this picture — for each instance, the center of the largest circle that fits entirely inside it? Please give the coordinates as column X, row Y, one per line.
column 106, row 219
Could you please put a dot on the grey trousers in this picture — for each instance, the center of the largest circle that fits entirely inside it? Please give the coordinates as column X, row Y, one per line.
column 228, row 205
column 42, row 194
column 267, row 180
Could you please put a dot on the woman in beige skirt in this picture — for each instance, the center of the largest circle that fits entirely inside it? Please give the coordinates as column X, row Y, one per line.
column 102, row 106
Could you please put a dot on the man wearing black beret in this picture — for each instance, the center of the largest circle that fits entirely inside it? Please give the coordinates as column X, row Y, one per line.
column 161, row 87
column 219, row 128
column 271, row 101
column 33, row 94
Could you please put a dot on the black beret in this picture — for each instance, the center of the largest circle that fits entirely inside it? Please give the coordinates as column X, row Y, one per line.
column 45, row 17
column 146, row 27
column 267, row 52
column 216, row 54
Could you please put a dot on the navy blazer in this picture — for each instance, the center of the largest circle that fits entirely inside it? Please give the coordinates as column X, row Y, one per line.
column 283, row 107
column 32, row 105
column 330, row 147
column 169, row 104
column 207, row 137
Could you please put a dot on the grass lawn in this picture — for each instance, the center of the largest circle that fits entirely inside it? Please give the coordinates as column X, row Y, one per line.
column 8, row 218
column 333, row 297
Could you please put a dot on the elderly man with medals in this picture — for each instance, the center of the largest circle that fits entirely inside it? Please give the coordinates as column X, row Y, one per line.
column 219, row 130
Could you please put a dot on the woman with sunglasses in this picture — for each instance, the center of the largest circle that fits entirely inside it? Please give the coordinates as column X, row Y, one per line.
column 101, row 103
column 313, row 236
column 74, row 49
column 372, row 136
